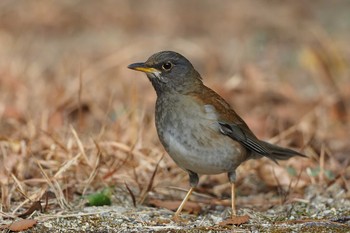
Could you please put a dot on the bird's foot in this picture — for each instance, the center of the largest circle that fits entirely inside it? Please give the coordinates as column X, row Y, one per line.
column 233, row 213
column 176, row 218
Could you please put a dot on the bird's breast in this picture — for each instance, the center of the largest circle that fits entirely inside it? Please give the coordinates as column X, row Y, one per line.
column 190, row 134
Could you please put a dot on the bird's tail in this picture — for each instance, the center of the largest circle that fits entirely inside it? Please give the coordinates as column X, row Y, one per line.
column 280, row 153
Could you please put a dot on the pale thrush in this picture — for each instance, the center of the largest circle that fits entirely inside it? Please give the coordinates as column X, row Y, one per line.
column 197, row 127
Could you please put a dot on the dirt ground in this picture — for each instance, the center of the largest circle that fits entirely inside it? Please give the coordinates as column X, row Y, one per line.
column 75, row 122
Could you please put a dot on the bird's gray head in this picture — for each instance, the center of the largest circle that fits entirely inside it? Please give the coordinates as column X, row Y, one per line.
column 169, row 72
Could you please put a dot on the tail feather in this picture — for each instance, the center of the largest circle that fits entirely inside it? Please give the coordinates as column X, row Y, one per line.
column 280, row 153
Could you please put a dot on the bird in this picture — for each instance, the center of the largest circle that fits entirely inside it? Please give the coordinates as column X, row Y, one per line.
column 198, row 129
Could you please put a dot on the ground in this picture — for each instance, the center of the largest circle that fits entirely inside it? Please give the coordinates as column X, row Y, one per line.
column 75, row 122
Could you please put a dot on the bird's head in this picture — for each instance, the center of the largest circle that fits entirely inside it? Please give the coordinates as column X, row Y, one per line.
column 169, row 72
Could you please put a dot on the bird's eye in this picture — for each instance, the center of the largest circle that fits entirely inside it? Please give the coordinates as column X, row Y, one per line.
column 167, row 66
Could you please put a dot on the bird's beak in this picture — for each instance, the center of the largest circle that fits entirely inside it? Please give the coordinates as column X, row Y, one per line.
column 143, row 68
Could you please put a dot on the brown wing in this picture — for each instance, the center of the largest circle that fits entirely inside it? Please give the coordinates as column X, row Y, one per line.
column 231, row 124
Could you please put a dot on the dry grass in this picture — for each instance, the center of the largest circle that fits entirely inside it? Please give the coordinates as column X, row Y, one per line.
column 74, row 119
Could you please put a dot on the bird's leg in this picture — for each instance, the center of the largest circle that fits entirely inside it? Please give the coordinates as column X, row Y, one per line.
column 193, row 182
column 233, row 200
column 178, row 211
column 232, row 178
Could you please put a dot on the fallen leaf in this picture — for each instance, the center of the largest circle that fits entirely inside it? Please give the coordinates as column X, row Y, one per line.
column 47, row 195
column 35, row 206
column 235, row 220
column 21, row 225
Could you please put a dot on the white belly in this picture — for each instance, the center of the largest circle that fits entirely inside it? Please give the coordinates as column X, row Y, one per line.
column 190, row 134
column 195, row 151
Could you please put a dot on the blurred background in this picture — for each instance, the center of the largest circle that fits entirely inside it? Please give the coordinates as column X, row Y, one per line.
column 66, row 96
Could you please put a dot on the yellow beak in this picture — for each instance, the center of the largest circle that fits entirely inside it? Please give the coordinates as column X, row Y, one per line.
column 142, row 67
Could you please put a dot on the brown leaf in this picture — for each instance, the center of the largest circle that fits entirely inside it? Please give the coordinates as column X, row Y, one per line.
column 35, row 206
column 235, row 220
column 191, row 207
column 47, row 195
column 21, row 225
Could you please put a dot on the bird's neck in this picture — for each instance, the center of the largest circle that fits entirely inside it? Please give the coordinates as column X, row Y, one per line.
column 187, row 84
